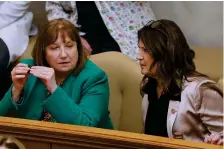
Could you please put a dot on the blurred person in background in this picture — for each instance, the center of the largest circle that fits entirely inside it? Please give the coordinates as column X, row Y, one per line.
column 15, row 28
column 105, row 26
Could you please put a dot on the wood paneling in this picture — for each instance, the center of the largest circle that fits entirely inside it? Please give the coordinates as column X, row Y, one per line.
column 30, row 144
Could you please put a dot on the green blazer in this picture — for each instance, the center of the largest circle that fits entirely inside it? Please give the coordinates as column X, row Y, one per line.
column 83, row 99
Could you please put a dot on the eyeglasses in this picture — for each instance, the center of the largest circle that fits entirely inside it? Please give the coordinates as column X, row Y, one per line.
column 153, row 24
column 156, row 25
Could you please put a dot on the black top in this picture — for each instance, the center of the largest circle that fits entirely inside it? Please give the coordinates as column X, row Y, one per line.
column 5, row 71
column 156, row 118
column 92, row 24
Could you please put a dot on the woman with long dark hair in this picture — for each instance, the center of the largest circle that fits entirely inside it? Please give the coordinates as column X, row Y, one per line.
column 178, row 101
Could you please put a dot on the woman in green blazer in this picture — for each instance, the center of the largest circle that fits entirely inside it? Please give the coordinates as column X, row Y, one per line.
column 60, row 84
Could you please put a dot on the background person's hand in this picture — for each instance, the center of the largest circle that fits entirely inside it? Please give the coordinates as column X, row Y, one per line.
column 47, row 76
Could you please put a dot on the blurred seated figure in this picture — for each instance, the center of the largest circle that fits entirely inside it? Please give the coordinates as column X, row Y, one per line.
column 15, row 28
column 105, row 25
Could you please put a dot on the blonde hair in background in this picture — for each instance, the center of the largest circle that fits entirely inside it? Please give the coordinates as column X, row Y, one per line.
column 9, row 142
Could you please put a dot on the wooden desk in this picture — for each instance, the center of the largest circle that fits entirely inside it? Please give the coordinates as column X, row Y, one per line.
column 44, row 135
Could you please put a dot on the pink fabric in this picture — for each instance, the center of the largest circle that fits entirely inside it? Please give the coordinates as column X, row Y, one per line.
column 86, row 46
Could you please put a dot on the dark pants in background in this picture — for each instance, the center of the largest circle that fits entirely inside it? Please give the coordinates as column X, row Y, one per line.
column 5, row 71
column 97, row 34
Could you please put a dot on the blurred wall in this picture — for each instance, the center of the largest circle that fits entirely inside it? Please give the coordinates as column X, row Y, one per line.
column 201, row 22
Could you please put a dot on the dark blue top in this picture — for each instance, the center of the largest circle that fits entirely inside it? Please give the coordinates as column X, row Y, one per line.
column 5, row 71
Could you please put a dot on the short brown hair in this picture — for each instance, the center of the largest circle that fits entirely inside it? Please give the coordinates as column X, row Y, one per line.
column 49, row 35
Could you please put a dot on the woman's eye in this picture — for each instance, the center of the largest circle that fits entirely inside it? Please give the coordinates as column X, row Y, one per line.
column 145, row 50
column 54, row 48
column 69, row 46
column 142, row 49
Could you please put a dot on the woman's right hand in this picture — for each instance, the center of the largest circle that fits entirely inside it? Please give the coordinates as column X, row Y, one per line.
column 214, row 138
column 19, row 76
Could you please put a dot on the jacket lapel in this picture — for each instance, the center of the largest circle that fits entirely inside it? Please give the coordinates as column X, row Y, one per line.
column 171, row 116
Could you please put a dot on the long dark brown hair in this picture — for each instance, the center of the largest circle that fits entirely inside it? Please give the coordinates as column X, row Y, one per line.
column 167, row 44
column 49, row 35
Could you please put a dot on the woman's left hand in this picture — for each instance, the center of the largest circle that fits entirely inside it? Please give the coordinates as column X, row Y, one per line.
column 47, row 75
column 214, row 139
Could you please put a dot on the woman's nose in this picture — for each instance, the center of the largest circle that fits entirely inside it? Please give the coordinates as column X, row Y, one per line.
column 63, row 54
column 139, row 57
